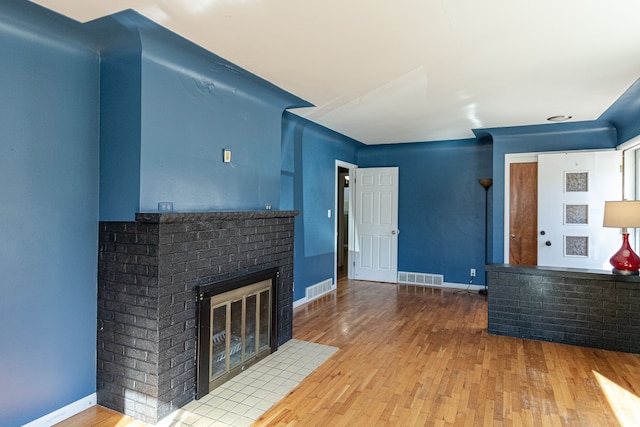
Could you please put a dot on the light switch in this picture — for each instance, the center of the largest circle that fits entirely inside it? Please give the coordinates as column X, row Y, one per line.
column 329, row 213
column 226, row 156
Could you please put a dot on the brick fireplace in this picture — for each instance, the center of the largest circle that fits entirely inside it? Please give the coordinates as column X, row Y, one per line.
column 149, row 273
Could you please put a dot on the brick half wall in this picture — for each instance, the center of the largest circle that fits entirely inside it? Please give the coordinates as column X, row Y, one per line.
column 580, row 307
column 147, row 274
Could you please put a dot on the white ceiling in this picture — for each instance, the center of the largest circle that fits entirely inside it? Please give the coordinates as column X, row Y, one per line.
column 387, row 71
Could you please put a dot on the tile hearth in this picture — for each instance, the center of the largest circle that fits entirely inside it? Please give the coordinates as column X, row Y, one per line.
column 243, row 399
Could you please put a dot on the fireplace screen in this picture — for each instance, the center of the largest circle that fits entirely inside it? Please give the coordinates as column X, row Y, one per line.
column 240, row 324
column 235, row 329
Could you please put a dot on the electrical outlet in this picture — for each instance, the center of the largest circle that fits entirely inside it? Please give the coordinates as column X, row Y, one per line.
column 473, row 272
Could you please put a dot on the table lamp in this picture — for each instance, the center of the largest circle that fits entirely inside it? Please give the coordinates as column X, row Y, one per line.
column 623, row 214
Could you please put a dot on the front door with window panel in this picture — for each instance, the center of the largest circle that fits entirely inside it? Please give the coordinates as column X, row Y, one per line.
column 572, row 189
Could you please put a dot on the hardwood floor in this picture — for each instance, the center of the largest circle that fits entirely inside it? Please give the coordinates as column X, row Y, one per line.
column 423, row 358
column 97, row 416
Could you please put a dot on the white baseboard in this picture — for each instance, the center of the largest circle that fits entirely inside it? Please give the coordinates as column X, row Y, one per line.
column 301, row 301
column 65, row 412
column 446, row 285
column 470, row 287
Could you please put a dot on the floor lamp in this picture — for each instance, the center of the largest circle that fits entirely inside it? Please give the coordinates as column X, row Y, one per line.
column 486, row 183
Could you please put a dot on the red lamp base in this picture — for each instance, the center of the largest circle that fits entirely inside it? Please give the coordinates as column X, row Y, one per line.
column 625, row 261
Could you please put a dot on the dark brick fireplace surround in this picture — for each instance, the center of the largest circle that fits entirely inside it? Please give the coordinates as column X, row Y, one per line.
column 148, row 273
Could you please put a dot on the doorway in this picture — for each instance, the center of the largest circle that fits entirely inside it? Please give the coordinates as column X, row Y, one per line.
column 344, row 229
column 554, row 205
column 342, row 217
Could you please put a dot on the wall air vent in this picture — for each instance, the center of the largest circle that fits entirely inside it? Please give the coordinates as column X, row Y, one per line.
column 316, row 291
column 420, row 279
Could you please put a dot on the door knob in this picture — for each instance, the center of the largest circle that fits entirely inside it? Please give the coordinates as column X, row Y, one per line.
column 513, row 236
column 542, row 233
column 393, row 231
column 548, row 243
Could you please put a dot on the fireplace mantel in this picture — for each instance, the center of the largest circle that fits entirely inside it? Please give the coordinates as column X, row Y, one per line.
column 148, row 272
column 178, row 217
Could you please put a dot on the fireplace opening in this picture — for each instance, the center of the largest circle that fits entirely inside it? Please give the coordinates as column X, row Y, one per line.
column 237, row 326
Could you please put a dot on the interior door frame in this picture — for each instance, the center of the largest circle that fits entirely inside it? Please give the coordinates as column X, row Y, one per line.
column 350, row 234
column 508, row 160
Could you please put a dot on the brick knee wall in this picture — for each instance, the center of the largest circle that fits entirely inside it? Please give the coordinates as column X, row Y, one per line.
column 590, row 309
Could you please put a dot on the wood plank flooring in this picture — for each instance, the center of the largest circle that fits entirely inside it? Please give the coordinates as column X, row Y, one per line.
column 98, row 416
column 423, row 358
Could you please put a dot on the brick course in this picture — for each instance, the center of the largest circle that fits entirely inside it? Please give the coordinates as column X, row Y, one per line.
column 147, row 274
column 587, row 308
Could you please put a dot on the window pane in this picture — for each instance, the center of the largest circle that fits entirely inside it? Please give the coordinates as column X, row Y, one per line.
column 218, row 340
column 576, row 246
column 265, row 319
column 576, row 214
column 235, row 340
column 250, row 331
column 576, row 181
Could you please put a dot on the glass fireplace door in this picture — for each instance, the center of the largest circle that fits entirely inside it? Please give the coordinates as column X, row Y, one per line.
column 240, row 325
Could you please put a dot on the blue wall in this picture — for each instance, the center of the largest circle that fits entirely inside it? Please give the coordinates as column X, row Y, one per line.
column 120, row 118
column 309, row 159
column 528, row 139
column 49, row 129
column 441, row 205
column 180, row 107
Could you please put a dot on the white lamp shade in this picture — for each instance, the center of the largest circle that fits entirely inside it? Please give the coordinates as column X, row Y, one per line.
column 622, row 214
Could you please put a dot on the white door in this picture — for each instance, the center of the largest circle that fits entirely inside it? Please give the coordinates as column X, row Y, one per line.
column 572, row 189
column 376, row 225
